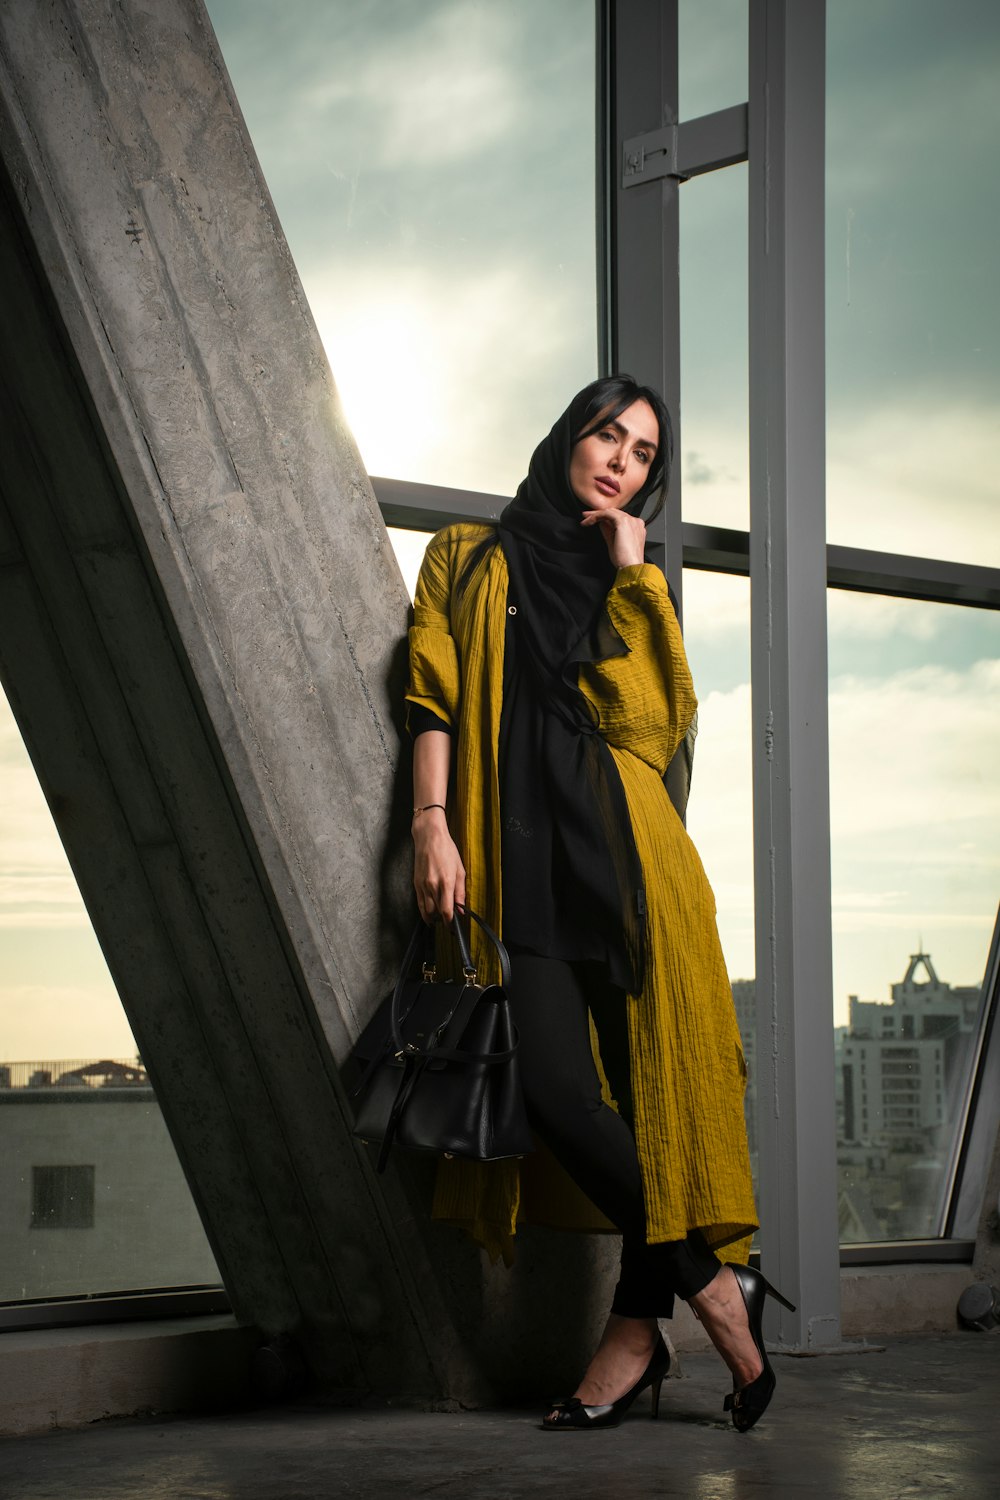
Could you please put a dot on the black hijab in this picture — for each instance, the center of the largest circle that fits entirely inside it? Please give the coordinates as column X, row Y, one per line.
column 560, row 573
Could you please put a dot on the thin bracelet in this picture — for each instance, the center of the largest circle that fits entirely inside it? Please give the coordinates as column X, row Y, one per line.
column 427, row 807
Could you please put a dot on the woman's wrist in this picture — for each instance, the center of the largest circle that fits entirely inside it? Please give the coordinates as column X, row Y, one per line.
column 428, row 816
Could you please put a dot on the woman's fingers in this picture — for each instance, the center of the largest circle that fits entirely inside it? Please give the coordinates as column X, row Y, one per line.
column 450, row 890
column 624, row 535
column 438, row 882
column 446, row 901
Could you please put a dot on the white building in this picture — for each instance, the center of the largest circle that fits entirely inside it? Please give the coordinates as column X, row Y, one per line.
column 904, row 1061
column 94, row 1199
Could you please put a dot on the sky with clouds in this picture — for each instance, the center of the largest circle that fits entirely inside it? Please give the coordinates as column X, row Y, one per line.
column 431, row 162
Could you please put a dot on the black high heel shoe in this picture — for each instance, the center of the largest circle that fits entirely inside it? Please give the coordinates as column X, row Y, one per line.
column 573, row 1413
column 750, row 1401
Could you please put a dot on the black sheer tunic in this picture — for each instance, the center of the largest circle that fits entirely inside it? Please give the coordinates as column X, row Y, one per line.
column 540, row 911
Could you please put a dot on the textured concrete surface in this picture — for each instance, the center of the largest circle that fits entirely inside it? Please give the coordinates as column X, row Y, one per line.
column 914, row 1418
column 67, row 1377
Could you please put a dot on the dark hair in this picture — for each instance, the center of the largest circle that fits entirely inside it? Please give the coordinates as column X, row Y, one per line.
column 607, row 398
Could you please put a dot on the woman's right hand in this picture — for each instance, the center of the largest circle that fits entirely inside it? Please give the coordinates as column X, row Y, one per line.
column 438, row 871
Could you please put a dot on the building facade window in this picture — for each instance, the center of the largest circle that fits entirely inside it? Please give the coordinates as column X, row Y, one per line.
column 62, row 1197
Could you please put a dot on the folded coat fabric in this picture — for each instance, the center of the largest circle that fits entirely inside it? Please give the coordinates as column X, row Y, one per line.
column 688, row 1071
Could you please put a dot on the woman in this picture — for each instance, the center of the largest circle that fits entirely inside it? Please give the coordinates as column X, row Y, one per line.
column 549, row 691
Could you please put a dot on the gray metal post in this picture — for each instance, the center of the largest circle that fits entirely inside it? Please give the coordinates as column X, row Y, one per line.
column 795, row 1083
column 645, row 291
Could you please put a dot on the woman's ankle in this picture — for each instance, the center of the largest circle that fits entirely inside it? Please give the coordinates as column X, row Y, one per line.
column 636, row 1333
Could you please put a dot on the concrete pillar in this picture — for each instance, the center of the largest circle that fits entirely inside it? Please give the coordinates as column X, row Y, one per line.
column 201, row 628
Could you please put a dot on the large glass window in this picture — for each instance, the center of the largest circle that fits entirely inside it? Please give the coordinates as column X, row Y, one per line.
column 433, row 169
column 913, row 319
column 913, row 385
column 94, row 1199
column 915, row 811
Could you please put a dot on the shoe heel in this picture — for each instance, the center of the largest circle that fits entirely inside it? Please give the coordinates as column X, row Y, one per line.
column 655, row 1394
column 773, row 1291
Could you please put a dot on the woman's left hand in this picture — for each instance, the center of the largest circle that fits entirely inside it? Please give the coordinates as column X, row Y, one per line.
column 625, row 535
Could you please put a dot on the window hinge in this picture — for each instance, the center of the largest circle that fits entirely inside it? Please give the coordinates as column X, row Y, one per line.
column 647, row 157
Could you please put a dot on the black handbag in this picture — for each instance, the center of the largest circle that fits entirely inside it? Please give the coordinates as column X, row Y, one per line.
column 440, row 1061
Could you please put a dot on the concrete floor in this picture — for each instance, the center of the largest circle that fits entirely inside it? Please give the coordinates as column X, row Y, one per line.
column 915, row 1417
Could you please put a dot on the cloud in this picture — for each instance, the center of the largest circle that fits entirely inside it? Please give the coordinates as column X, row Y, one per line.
column 720, row 819
column 917, row 751
column 37, row 888
column 876, row 617
column 409, row 361
column 45, row 1022
column 696, row 470
column 716, row 487
column 915, row 811
column 715, row 604
column 437, row 94
column 916, row 477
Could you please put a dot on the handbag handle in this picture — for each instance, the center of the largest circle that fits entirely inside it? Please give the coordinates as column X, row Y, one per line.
column 399, row 1046
column 463, row 946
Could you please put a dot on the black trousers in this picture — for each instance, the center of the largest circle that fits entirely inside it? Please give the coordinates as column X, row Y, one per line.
column 550, row 1000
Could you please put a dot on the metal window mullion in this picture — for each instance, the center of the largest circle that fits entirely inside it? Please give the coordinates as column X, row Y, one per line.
column 795, row 1061
column 427, row 507
column 645, row 285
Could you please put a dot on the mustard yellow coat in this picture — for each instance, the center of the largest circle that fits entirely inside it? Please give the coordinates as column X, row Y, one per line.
column 688, row 1072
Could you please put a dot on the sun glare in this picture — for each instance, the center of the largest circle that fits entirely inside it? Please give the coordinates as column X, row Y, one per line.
column 384, row 363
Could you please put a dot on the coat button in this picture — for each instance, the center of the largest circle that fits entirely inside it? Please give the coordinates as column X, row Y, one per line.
column 512, row 609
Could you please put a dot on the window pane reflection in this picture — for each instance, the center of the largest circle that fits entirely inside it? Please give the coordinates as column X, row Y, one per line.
column 913, row 318
column 714, row 460
column 94, row 1199
column 720, row 812
column 433, row 169
column 712, row 55
column 915, row 804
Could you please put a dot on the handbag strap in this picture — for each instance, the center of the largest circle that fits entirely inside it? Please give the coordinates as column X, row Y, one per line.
column 396, row 1017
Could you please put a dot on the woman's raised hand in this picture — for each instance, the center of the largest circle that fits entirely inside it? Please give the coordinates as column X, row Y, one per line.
column 625, row 535
column 438, row 871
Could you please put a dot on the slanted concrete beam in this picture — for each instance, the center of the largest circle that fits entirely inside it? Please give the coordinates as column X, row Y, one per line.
column 201, row 628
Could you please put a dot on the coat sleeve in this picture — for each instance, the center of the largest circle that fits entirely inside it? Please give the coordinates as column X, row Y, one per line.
column 645, row 699
column 434, row 673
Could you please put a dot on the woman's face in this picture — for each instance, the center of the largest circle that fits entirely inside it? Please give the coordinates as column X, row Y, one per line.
column 610, row 466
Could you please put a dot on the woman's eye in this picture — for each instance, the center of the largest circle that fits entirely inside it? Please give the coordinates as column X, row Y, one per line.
column 642, row 455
